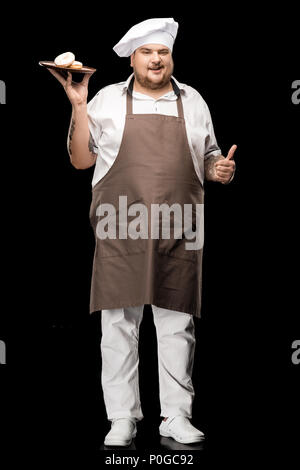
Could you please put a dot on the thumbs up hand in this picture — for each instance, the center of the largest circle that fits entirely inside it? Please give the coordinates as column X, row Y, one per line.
column 225, row 167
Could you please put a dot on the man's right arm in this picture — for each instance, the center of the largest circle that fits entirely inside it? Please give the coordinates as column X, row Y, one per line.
column 80, row 142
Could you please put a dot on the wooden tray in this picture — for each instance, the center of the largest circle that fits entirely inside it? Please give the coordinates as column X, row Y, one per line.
column 64, row 70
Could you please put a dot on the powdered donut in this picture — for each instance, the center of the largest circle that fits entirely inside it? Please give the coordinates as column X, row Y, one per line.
column 76, row 65
column 64, row 60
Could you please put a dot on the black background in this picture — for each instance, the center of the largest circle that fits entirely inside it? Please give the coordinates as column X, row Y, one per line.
column 245, row 382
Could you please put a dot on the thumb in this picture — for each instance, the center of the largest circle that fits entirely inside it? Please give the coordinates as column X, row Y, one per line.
column 86, row 79
column 69, row 79
column 231, row 152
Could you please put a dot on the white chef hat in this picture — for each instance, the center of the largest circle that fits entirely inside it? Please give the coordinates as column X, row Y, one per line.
column 153, row 31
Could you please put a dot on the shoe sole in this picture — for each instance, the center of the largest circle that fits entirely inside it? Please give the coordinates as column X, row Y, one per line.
column 116, row 442
column 182, row 441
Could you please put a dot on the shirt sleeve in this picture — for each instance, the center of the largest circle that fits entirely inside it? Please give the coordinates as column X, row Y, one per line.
column 93, row 120
column 211, row 145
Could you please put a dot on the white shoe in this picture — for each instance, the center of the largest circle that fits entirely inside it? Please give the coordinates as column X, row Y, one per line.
column 180, row 429
column 121, row 433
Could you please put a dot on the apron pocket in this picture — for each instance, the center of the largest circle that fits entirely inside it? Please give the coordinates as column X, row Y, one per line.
column 131, row 226
column 177, row 247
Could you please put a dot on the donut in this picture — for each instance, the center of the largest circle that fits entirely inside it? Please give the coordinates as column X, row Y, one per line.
column 65, row 59
column 76, row 65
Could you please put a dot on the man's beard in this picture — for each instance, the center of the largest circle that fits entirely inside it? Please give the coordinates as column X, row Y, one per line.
column 146, row 83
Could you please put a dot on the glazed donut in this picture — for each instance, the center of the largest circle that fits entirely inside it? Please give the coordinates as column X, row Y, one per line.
column 76, row 65
column 65, row 59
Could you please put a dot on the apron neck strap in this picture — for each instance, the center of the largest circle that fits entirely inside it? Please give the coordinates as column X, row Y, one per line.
column 129, row 99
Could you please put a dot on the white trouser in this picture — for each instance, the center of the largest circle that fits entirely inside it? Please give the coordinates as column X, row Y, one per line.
column 119, row 348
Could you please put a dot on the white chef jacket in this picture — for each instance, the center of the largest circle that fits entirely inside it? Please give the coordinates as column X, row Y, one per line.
column 106, row 119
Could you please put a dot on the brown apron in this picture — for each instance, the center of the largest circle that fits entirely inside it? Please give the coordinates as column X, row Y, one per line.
column 154, row 165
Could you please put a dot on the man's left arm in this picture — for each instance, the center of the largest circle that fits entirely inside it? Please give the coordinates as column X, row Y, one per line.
column 216, row 167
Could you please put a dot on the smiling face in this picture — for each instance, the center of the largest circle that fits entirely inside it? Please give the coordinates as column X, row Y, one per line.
column 153, row 65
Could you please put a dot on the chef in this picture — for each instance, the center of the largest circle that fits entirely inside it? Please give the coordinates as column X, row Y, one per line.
column 152, row 141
